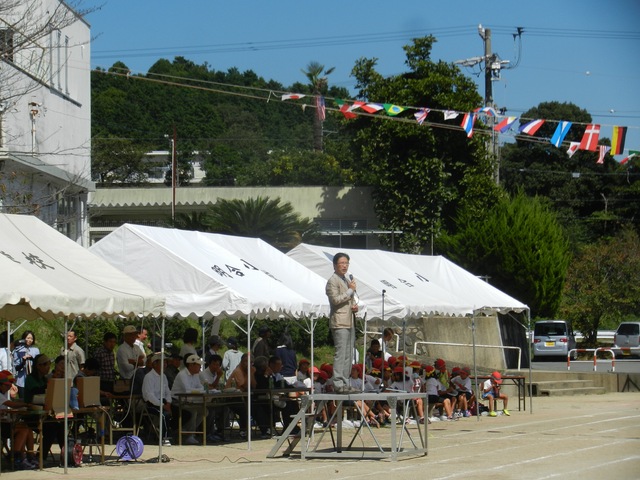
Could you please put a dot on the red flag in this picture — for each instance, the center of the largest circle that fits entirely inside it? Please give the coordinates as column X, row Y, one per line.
column 590, row 138
column 573, row 148
column 617, row 140
column 346, row 111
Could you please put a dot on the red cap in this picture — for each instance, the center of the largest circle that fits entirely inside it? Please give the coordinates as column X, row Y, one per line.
column 392, row 361
column 377, row 363
column 415, row 364
column 497, row 377
column 323, row 375
column 315, row 369
column 304, row 360
column 398, row 370
column 466, row 370
column 455, row 370
column 429, row 369
column 440, row 363
column 327, row 368
column 7, row 377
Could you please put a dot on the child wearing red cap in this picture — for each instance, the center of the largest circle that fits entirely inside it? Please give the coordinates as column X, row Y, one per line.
column 462, row 383
column 491, row 392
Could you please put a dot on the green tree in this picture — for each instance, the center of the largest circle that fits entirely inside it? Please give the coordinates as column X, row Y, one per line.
column 319, row 83
column 421, row 174
column 603, row 284
column 268, row 219
column 118, row 160
column 520, row 246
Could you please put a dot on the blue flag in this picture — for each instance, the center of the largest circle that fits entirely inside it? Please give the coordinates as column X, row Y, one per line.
column 560, row 133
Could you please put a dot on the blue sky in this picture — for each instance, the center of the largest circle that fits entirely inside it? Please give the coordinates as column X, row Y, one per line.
column 582, row 51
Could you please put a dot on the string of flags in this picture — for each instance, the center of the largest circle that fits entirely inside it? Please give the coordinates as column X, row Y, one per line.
column 589, row 141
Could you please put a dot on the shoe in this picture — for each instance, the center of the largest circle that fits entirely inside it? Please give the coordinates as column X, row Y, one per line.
column 166, row 442
column 32, row 461
column 190, row 440
column 466, row 413
column 243, row 434
column 443, row 418
column 506, row 412
column 24, row 465
column 493, row 414
column 213, row 438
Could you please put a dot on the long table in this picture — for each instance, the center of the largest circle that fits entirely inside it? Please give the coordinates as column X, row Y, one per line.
column 519, row 381
column 401, row 441
column 224, row 398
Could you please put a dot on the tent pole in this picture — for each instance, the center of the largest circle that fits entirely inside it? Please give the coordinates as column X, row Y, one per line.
column 530, row 358
column 160, row 422
column 249, row 381
column 66, row 396
column 475, row 364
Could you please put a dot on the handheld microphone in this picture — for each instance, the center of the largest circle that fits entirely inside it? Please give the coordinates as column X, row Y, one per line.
column 350, row 277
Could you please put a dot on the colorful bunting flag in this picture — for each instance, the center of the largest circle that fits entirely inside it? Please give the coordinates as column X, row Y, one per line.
column 505, row 124
column 355, row 106
column 345, row 108
column 486, row 110
column 632, row 153
column 573, row 148
column 590, row 138
column 561, row 131
column 292, row 96
column 532, row 127
column 372, row 107
column 450, row 114
column 468, row 121
column 618, row 137
column 321, row 110
column 603, row 151
column 393, row 110
column 421, row 115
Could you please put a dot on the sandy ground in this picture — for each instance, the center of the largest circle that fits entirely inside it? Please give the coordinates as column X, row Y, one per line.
column 585, row 437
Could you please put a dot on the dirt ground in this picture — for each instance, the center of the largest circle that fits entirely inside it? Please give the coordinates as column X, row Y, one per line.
column 586, row 437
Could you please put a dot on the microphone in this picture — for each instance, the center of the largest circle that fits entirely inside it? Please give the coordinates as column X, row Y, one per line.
column 350, row 277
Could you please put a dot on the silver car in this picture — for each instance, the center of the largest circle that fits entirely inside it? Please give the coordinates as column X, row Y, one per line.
column 627, row 336
column 552, row 338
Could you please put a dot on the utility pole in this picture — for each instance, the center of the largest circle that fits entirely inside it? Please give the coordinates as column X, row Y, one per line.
column 490, row 66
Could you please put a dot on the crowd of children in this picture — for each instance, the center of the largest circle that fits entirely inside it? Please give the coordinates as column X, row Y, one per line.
column 450, row 394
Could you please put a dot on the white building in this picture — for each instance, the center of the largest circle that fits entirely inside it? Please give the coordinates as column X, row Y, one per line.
column 45, row 114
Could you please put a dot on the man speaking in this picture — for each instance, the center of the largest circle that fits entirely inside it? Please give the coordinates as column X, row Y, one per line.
column 341, row 291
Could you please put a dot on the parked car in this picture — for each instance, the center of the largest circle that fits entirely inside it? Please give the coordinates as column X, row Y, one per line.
column 627, row 335
column 553, row 338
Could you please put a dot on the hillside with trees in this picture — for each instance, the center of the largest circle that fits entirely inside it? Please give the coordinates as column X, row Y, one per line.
column 430, row 181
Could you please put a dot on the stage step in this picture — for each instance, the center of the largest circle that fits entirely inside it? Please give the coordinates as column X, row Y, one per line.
column 565, row 387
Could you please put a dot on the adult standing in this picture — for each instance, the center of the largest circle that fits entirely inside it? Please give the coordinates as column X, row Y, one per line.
column 341, row 291
column 261, row 347
column 23, row 356
column 190, row 340
column 104, row 355
column 76, row 354
column 129, row 356
column 232, row 356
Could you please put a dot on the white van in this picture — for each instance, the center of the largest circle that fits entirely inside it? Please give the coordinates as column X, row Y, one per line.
column 552, row 338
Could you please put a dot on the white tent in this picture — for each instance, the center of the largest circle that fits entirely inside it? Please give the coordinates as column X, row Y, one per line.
column 386, row 288
column 205, row 275
column 47, row 275
column 469, row 288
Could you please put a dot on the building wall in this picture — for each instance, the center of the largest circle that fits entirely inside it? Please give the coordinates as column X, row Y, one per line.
column 46, row 123
column 346, row 208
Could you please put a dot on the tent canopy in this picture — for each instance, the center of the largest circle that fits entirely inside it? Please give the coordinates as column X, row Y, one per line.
column 47, row 275
column 375, row 272
column 414, row 285
column 453, row 278
column 207, row 275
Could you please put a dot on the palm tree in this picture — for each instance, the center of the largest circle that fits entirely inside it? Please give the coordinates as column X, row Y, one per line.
column 317, row 76
column 261, row 217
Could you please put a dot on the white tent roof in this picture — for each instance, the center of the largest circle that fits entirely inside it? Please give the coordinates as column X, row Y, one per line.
column 47, row 275
column 453, row 278
column 204, row 277
column 374, row 271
